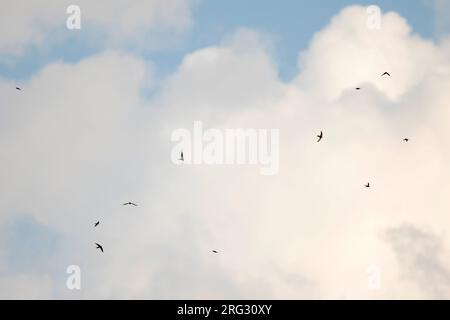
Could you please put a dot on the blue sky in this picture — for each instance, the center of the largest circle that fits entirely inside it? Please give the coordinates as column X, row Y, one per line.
column 30, row 241
column 291, row 23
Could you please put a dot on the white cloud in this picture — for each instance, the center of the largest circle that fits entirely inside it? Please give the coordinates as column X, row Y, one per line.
column 119, row 22
column 79, row 140
column 348, row 54
column 239, row 75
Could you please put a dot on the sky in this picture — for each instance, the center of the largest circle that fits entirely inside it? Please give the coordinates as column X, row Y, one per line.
column 91, row 129
column 291, row 24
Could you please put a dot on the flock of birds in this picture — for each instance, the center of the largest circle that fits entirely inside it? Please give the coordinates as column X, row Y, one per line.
column 319, row 136
column 99, row 246
column 96, row 224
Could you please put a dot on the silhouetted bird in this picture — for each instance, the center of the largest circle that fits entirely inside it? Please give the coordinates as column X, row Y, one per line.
column 130, row 204
column 215, row 251
column 99, row 247
column 368, row 185
column 386, row 74
column 406, row 139
column 17, row 88
column 182, row 156
column 320, row 136
column 96, row 224
column 358, row 88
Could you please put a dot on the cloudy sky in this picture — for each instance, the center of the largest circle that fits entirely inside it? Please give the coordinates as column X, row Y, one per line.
column 91, row 129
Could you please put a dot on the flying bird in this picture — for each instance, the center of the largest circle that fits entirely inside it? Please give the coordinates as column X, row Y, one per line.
column 406, row 139
column 320, row 136
column 358, row 88
column 214, row 251
column 368, row 185
column 17, row 88
column 386, row 74
column 99, row 247
column 96, row 224
column 130, row 204
column 182, row 156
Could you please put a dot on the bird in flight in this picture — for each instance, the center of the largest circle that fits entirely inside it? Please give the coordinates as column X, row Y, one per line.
column 130, row 204
column 17, row 88
column 214, row 251
column 96, row 224
column 320, row 136
column 99, row 247
column 386, row 74
column 368, row 185
column 358, row 88
column 182, row 156
column 406, row 139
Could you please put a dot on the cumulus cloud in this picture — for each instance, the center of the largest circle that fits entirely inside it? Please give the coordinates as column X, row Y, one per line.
column 81, row 139
column 38, row 23
column 359, row 55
